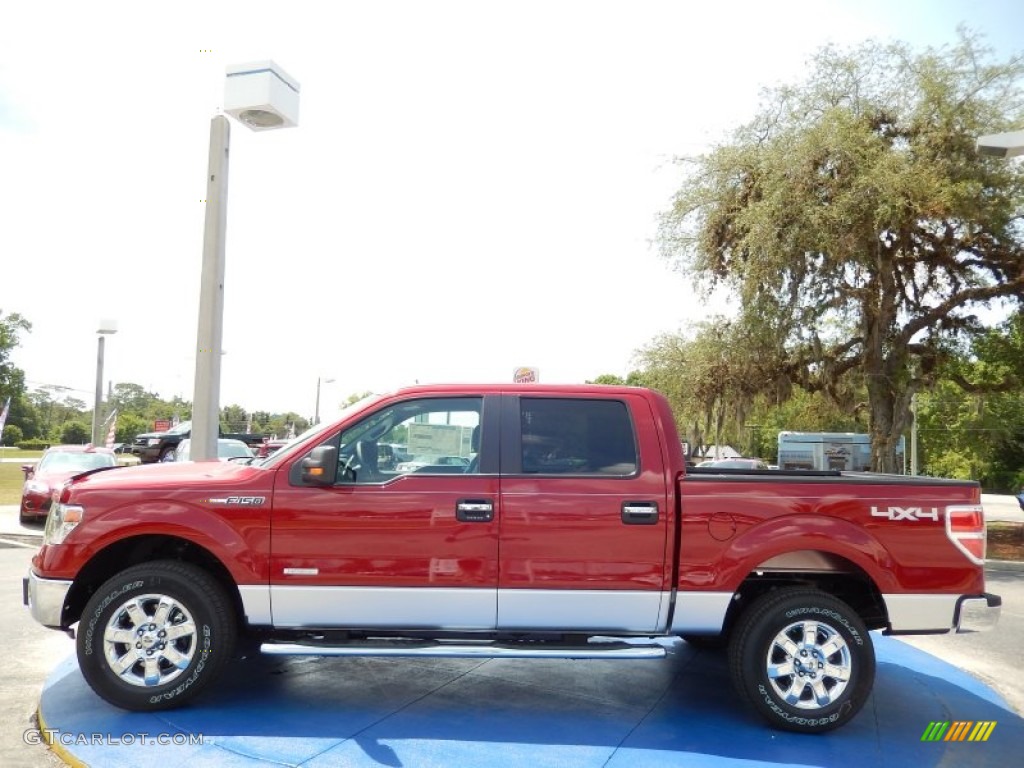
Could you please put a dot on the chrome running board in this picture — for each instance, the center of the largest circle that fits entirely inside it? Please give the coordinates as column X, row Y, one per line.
column 482, row 650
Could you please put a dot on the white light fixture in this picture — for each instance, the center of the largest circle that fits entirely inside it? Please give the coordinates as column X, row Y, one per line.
column 1010, row 144
column 261, row 96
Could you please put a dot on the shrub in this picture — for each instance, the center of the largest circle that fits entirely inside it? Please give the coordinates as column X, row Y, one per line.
column 12, row 435
column 32, row 445
column 75, row 433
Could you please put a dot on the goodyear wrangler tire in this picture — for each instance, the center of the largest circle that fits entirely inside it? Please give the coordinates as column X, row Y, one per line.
column 155, row 635
column 803, row 659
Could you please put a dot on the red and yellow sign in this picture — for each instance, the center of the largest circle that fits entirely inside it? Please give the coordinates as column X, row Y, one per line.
column 524, row 375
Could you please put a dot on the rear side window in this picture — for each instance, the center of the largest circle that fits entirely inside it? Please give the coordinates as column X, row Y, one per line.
column 578, row 437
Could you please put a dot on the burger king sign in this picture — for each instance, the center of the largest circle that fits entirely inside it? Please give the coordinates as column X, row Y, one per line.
column 525, row 375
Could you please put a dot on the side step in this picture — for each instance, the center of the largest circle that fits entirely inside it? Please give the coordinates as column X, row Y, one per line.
column 462, row 649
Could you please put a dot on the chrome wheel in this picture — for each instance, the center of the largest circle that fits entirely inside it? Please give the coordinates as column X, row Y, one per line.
column 803, row 659
column 150, row 640
column 809, row 664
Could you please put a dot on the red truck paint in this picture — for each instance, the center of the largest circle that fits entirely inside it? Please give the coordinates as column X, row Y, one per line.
column 508, row 558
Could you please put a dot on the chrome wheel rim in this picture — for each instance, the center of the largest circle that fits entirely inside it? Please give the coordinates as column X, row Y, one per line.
column 150, row 640
column 809, row 665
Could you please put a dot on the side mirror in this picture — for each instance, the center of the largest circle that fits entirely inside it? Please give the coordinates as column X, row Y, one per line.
column 321, row 466
column 28, row 469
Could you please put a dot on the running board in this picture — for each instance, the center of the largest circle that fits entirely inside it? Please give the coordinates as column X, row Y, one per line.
column 603, row 650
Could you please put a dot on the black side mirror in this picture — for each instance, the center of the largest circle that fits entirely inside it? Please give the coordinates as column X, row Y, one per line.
column 321, row 466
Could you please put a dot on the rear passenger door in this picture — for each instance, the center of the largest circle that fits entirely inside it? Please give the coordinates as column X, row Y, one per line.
column 584, row 525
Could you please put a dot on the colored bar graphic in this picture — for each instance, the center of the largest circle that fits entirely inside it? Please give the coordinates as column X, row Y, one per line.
column 935, row 731
column 958, row 730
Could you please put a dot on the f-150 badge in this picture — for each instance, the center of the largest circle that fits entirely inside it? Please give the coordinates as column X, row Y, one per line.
column 913, row 514
column 244, row 501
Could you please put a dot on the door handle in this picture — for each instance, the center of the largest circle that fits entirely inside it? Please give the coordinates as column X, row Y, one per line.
column 640, row 513
column 474, row 510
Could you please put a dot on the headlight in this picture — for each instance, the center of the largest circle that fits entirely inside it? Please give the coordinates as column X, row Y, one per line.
column 34, row 486
column 61, row 521
column 153, row 441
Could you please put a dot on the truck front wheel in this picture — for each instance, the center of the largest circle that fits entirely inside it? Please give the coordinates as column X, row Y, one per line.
column 155, row 635
column 803, row 659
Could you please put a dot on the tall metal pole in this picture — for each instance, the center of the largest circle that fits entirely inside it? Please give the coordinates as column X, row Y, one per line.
column 99, row 391
column 206, row 398
column 316, row 413
column 913, row 434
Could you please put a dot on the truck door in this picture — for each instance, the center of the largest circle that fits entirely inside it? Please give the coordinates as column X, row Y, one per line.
column 585, row 522
column 406, row 544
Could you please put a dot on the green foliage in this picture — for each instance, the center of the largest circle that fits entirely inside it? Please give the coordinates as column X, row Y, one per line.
column 75, row 433
column 12, row 435
column 128, row 426
column 32, row 445
column 857, row 226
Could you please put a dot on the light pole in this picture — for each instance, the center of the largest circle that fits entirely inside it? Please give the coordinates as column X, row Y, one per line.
column 262, row 97
column 316, row 413
column 107, row 326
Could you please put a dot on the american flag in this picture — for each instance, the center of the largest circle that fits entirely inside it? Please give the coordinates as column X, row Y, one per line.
column 110, row 432
column 3, row 417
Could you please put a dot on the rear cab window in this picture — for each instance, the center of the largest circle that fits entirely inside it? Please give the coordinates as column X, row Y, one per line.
column 574, row 436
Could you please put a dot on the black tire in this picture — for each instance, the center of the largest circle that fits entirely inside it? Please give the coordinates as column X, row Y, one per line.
column 707, row 642
column 159, row 672
column 821, row 641
column 164, row 453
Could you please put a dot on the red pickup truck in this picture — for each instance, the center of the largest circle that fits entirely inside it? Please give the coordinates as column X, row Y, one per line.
column 572, row 530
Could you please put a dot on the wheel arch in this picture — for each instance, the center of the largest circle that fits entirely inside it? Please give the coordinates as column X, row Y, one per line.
column 142, row 548
column 817, row 569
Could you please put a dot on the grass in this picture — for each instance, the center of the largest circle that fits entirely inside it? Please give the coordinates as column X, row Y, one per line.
column 11, row 480
column 11, row 477
column 1006, row 541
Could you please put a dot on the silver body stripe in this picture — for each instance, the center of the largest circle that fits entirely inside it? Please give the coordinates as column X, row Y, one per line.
column 607, row 610
column 484, row 609
column 909, row 613
column 256, row 604
column 466, row 609
column 700, row 612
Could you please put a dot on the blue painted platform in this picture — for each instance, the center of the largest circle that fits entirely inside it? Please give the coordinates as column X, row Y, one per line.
column 415, row 713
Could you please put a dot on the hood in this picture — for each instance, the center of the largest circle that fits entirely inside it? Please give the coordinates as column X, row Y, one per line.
column 172, row 475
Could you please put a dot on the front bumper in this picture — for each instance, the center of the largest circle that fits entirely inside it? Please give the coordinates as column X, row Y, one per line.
column 45, row 598
column 977, row 613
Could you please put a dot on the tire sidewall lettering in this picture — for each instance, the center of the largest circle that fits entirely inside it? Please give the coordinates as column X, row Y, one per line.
column 828, row 613
column 90, row 630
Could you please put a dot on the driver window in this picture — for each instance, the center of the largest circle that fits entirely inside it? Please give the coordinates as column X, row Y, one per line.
column 428, row 436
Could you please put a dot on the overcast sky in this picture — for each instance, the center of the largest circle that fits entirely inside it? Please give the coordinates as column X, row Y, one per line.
column 472, row 186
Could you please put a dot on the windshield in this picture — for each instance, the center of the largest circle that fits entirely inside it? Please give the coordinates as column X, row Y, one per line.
column 181, row 429
column 74, row 461
column 287, row 450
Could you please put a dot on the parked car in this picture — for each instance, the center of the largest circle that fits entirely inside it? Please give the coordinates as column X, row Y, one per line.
column 269, row 447
column 227, row 450
column 57, row 464
column 123, row 455
column 735, row 464
column 159, row 446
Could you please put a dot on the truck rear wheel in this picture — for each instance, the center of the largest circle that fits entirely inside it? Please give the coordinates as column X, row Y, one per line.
column 803, row 659
column 155, row 635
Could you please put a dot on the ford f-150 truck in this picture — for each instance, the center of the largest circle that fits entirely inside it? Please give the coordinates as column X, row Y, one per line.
column 574, row 530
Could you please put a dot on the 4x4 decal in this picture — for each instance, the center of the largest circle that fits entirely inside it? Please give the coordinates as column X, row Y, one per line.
column 913, row 514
